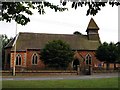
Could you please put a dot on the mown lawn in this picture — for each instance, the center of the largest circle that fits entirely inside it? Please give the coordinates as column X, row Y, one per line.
column 91, row 83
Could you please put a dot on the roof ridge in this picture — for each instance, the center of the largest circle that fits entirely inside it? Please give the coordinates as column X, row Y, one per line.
column 48, row 33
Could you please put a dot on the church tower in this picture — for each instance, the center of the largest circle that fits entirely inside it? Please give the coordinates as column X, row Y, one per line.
column 92, row 30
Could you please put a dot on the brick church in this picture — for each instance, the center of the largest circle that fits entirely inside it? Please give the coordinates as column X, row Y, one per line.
column 28, row 45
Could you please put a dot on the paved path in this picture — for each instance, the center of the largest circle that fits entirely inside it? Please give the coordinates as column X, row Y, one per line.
column 61, row 77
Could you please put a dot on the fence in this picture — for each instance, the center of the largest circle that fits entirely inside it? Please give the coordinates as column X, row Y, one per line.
column 35, row 73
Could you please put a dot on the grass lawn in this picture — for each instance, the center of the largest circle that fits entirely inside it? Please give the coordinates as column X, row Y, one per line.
column 91, row 83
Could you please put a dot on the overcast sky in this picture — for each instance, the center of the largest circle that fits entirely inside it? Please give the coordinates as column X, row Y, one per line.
column 67, row 22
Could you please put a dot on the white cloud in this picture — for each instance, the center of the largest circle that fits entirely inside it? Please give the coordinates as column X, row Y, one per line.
column 69, row 21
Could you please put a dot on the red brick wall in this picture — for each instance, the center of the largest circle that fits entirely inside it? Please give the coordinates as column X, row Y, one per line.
column 23, row 57
column 95, row 61
column 29, row 65
column 27, row 59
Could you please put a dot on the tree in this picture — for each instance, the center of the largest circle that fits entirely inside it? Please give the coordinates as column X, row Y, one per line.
column 107, row 53
column 93, row 5
column 5, row 40
column 17, row 10
column 57, row 54
column 77, row 33
column 118, row 51
column 113, row 54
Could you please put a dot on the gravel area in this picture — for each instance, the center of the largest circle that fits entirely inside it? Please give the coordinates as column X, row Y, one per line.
column 61, row 77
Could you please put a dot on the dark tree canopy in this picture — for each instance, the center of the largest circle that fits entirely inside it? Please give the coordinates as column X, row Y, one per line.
column 17, row 10
column 57, row 54
column 77, row 33
column 118, row 48
column 107, row 53
column 93, row 5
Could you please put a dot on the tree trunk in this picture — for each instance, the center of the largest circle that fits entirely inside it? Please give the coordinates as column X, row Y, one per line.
column 107, row 66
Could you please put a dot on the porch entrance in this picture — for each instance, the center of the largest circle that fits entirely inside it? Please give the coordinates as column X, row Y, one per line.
column 76, row 62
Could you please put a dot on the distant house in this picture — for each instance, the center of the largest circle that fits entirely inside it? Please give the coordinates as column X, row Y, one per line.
column 29, row 45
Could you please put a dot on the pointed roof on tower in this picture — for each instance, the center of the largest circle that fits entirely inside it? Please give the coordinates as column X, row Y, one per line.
column 92, row 25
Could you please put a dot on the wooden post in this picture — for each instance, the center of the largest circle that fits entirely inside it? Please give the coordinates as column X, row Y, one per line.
column 14, row 64
column 78, row 69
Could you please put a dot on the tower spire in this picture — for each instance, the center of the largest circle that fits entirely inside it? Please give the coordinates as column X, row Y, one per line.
column 92, row 25
column 92, row 30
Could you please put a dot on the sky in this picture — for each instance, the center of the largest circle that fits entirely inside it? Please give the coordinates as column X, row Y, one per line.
column 68, row 22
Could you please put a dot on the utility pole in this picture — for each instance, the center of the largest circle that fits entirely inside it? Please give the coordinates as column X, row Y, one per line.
column 14, row 64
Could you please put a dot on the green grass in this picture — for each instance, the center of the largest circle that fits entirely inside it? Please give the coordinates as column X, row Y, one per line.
column 92, row 83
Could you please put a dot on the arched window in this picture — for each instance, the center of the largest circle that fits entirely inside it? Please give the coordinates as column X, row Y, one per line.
column 18, row 60
column 88, row 59
column 34, row 59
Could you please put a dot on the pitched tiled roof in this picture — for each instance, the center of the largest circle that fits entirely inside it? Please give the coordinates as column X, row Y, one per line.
column 38, row 41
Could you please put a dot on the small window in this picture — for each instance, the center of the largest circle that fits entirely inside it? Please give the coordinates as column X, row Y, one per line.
column 88, row 59
column 34, row 59
column 18, row 60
